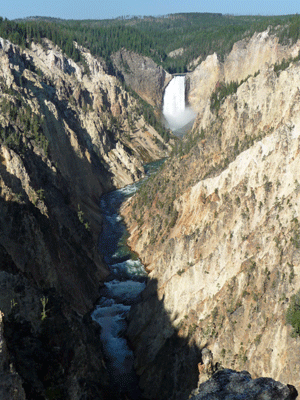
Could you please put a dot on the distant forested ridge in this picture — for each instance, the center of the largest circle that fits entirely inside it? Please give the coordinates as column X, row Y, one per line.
column 198, row 34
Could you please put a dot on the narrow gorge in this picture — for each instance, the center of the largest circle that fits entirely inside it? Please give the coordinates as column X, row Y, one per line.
column 66, row 139
column 149, row 224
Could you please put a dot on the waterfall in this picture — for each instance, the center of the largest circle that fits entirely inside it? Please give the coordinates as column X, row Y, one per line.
column 175, row 111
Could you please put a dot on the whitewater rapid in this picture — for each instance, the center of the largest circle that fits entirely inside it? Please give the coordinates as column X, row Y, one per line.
column 127, row 281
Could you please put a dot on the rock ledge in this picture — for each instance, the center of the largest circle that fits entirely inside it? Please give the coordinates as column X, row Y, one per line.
column 228, row 384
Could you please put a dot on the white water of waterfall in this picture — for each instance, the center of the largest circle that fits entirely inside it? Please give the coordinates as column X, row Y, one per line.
column 175, row 111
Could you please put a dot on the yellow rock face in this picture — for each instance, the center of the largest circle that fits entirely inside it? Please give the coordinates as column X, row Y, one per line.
column 225, row 270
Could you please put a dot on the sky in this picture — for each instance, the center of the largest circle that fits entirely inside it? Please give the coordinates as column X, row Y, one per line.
column 103, row 9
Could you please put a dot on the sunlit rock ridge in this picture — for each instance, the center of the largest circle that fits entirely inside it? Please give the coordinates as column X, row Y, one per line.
column 220, row 235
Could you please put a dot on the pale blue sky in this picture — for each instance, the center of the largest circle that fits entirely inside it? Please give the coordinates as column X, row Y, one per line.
column 101, row 9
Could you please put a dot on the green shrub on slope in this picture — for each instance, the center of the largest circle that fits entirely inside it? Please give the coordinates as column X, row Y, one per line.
column 293, row 314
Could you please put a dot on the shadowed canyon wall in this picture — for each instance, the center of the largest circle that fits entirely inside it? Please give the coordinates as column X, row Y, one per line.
column 69, row 133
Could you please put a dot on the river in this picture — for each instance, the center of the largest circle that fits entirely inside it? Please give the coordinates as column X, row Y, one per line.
column 122, row 289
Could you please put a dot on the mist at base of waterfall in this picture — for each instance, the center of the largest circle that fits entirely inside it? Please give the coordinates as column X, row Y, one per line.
column 177, row 115
column 182, row 131
column 180, row 120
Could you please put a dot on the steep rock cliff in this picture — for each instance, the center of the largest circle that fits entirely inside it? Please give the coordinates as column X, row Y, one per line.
column 68, row 133
column 220, row 242
column 247, row 57
column 65, row 140
column 142, row 74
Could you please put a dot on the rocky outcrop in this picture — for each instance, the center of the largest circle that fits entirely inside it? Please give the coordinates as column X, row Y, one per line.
column 220, row 240
column 228, row 384
column 176, row 53
column 141, row 73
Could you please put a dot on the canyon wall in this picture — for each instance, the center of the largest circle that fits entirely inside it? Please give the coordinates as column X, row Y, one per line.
column 81, row 146
column 69, row 132
column 219, row 237
column 247, row 57
column 142, row 75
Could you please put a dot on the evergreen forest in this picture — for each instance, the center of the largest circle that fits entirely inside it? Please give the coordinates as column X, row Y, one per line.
column 193, row 35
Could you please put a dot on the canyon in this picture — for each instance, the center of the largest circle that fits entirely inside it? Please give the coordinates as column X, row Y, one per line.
column 216, row 228
column 67, row 137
